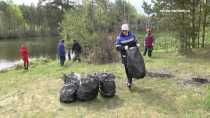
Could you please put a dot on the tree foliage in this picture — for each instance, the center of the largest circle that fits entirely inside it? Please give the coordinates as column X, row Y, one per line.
column 26, row 21
column 187, row 23
column 95, row 24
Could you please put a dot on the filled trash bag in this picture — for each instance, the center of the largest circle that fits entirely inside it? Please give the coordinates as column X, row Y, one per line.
column 88, row 88
column 68, row 91
column 135, row 63
column 107, row 87
column 72, row 78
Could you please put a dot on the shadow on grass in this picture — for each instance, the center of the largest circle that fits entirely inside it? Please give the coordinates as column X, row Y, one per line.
column 157, row 99
column 98, row 104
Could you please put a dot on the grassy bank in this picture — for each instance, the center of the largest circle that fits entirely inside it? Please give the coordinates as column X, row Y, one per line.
column 35, row 93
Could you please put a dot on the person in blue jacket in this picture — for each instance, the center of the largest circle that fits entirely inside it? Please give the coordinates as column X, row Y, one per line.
column 125, row 40
column 61, row 52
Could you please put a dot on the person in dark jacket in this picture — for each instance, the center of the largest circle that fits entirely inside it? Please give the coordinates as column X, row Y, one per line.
column 148, row 43
column 77, row 50
column 24, row 54
column 125, row 40
column 61, row 52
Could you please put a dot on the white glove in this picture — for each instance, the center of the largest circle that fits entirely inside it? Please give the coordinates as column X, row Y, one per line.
column 126, row 47
column 138, row 45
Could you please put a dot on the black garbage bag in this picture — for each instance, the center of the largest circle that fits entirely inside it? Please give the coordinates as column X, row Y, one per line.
column 107, row 87
column 68, row 91
column 88, row 88
column 135, row 63
column 72, row 78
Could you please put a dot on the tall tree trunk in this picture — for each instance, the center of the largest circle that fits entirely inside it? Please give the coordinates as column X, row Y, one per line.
column 204, row 23
column 182, row 37
column 199, row 23
column 193, row 24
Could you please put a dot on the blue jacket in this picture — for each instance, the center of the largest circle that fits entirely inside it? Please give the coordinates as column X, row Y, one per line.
column 123, row 40
column 61, row 49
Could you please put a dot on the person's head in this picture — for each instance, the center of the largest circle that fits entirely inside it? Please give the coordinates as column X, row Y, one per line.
column 23, row 44
column 125, row 29
column 62, row 41
column 74, row 41
column 149, row 31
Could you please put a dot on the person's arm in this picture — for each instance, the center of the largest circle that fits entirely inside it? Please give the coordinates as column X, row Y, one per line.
column 117, row 44
column 64, row 49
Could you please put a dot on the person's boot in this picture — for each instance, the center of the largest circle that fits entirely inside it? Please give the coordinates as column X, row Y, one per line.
column 150, row 54
column 25, row 66
column 129, row 83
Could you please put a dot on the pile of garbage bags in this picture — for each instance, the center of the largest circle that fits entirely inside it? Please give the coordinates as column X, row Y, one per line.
column 87, row 87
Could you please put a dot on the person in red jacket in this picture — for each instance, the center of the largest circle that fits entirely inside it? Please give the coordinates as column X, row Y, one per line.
column 149, row 41
column 24, row 55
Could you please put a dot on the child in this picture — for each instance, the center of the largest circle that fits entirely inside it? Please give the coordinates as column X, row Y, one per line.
column 24, row 55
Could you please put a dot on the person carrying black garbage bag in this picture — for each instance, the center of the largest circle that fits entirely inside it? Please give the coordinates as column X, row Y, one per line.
column 77, row 50
column 125, row 40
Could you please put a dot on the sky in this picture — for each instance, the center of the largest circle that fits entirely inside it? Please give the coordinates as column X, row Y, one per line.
column 136, row 3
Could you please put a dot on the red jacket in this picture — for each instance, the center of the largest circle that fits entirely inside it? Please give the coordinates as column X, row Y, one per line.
column 148, row 41
column 24, row 52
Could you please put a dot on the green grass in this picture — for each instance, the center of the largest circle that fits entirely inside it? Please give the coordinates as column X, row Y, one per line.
column 35, row 93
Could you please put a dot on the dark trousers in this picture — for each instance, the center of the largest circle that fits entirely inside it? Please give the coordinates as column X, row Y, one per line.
column 62, row 60
column 69, row 56
column 26, row 66
column 149, row 50
column 77, row 57
column 124, row 61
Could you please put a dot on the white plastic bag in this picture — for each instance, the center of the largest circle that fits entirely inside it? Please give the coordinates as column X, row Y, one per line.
column 73, row 55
